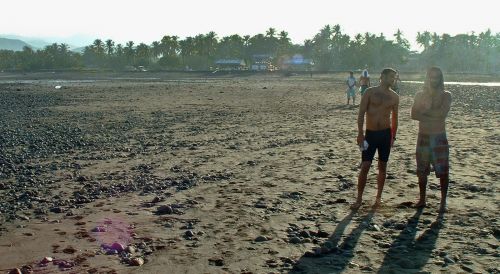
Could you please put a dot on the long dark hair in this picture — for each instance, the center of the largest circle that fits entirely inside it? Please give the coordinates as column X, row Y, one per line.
column 427, row 83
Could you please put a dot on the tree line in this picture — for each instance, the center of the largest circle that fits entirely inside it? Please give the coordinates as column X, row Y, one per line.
column 330, row 49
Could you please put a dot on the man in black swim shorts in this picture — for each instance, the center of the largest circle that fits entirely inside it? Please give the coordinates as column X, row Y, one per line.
column 380, row 106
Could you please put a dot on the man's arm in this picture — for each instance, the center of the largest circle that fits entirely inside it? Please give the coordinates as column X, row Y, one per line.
column 363, row 107
column 441, row 112
column 394, row 120
column 417, row 108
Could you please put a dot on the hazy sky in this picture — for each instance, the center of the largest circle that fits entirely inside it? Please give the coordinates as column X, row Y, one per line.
column 148, row 20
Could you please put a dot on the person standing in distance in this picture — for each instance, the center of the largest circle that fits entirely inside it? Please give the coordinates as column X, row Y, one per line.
column 364, row 81
column 351, row 88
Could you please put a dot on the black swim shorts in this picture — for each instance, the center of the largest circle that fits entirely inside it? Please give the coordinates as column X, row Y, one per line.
column 377, row 140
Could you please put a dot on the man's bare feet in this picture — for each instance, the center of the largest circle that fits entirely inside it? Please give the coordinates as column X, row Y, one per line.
column 355, row 206
column 378, row 203
column 420, row 204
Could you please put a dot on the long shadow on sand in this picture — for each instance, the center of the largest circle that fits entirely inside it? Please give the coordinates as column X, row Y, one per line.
column 335, row 257
column 407, row 254
column 342, row 107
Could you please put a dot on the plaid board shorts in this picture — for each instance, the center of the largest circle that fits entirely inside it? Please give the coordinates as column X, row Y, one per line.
column 433, row 149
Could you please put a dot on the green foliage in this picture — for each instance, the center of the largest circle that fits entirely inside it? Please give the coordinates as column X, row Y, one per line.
column 170, row 62
column 461, row 53
column 330, row 49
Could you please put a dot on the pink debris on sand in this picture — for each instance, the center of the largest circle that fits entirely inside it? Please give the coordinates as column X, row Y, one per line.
column 99, row 229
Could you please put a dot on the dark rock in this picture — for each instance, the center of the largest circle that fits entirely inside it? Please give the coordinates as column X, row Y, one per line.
column 322, row 234
column 216, row 261
column 57, row 209
column 164, row 209
column 295, row 240
column 261, row 239
column 467, row 268
column 305, row 234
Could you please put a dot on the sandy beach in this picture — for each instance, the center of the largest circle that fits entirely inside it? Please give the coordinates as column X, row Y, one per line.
column 232, row 174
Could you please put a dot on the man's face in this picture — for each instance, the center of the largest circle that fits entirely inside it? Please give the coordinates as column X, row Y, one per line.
column 389, row 79
column 434, row 79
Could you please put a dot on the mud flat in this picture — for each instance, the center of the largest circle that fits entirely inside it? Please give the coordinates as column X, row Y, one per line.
column 248, row 174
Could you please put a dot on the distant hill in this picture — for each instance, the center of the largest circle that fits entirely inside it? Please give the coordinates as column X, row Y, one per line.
column 13, row 44
column 77, row 50
column 76, row 43
column 36, row 43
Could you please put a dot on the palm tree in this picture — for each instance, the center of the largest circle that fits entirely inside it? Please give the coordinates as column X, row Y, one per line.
column 155, row 49
column 424, row 39
column 129, row 52
column 98, row 47
column 119, row 50
column 211, row 43
column 271, row 32
column 169, row 45
column 109, row 47
column 142, row 53
column 186, row 48
column 401, row 41
column 231, row 47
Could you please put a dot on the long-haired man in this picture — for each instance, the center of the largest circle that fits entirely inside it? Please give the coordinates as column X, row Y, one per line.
column 430, row 108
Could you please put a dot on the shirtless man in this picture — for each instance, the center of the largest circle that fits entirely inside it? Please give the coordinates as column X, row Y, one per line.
column 378, row 104
column 364, row 81
column 430, row 108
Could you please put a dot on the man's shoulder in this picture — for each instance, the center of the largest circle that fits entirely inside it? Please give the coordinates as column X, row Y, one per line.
column 394, row 94
column 447, row 96
column 371, row 90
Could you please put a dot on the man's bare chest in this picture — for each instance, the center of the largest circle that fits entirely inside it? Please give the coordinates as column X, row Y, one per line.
column 381, row 100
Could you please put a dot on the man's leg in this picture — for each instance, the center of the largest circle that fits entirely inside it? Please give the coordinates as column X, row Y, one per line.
column 363, row 174
column 423, row 158
column 422, row 187
column 382, row 173
column 444, row 192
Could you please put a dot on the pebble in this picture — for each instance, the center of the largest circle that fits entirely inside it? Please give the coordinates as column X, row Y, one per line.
column 164, row 209
column 216, row 261
column 118, row 247
column 261, row 239
column 295, row 240
column 439, row 262
column 448, row 260
column 99, row 229
column 130, row 249
column 367, row 268
column 305, row 234
column 136, row 261
column 46, row 260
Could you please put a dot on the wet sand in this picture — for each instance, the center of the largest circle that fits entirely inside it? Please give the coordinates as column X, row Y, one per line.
column 232, row 174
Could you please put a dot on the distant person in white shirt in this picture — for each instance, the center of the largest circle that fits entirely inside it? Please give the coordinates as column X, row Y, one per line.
column 351, row 88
